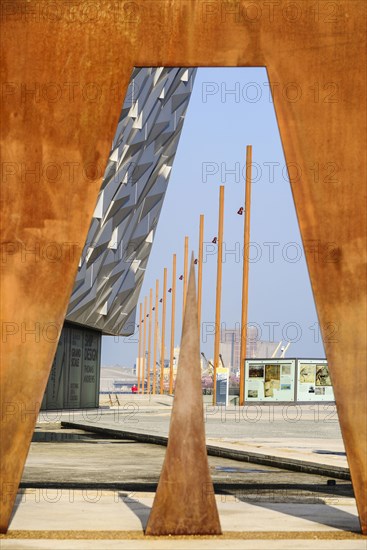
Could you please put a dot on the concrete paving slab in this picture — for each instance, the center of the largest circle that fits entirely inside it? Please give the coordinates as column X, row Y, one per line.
column 95, row 509
column 61, row 458
column 298, row 448
column 96, row 519
column 277, row 456
column 302, row 432
column 114, row 519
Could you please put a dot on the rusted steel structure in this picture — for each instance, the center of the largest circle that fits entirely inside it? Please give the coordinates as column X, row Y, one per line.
column 69, row 132
column 184, row 503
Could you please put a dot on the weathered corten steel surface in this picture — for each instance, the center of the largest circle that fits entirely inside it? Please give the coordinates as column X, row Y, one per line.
column 65, row 67
column 184, row 503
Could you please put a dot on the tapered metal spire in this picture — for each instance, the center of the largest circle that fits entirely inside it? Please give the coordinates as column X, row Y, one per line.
column 185, row 503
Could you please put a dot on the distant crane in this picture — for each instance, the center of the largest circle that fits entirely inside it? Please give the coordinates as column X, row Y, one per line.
column 284, row 350
column 276, row 349
column 207, row 375
column 209, row 364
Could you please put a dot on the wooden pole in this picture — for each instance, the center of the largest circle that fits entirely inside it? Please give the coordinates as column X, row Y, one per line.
column 245, row 274
column 139, row 346
column 172, row 324
column 164, row 303
column 149, row 338
column 155, row 334
column 184, row 286
column 200, row 268
column 219, row 290
column 144, row 343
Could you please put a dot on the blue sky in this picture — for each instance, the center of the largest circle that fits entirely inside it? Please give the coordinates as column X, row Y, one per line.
column 229, row 109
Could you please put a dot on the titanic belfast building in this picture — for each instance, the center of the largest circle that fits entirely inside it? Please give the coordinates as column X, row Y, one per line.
column 121, row 233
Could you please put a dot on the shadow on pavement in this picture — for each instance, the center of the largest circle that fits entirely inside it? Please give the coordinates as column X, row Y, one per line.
column 141, row 510
column 317, row 512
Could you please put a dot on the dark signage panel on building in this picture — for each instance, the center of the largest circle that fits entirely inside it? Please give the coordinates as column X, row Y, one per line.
column 74, row 368
column 55, row 388
column 90, row 369
column 75, row 372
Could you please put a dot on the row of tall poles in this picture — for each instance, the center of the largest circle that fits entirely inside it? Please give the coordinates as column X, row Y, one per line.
column 147, row 313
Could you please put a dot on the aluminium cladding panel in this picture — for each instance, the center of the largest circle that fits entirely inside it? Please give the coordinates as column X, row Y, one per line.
column 121, row 232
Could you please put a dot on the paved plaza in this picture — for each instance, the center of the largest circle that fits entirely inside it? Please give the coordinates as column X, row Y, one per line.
column 91, row 476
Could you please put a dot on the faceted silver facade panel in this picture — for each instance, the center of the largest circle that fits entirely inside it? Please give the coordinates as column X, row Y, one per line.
column 120, row 237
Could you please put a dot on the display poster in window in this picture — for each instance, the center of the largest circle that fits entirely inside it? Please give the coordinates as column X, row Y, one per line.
column 269, row 379
column 314, row 383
